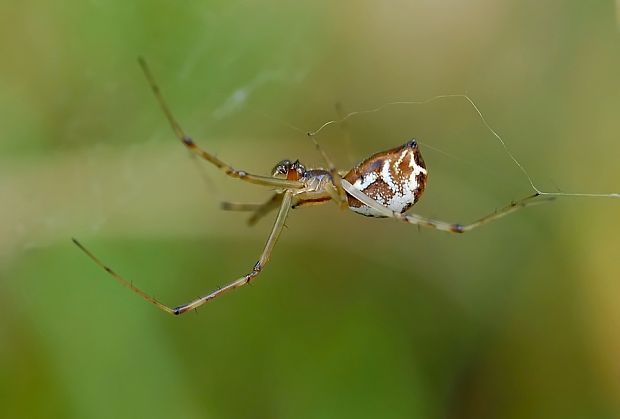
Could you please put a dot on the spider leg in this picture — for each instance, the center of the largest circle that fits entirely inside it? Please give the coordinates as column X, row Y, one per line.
column 194, row 148
column 419, row 220
column 339, row 195
column 125, row 282
column 262, row 261
column 259, row 210
column 258, row 267
column 528, row 201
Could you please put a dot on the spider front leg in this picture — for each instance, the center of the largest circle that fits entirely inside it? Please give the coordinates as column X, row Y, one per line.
column 262, row 261
column 194, row 148
column 534, row 199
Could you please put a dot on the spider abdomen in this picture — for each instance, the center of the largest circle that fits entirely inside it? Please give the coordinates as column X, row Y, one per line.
column 394, row 178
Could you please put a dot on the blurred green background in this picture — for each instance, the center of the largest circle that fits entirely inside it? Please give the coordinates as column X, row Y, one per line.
column 354, row 317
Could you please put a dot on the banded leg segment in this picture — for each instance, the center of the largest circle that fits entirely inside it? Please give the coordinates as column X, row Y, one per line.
column 263, row 260
column 194, row 148
column 443, row 225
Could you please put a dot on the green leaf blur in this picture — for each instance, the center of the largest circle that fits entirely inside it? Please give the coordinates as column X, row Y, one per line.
column 354, row 317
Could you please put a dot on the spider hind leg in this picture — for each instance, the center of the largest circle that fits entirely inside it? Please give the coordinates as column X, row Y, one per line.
column 256, row 270
column 441, row 225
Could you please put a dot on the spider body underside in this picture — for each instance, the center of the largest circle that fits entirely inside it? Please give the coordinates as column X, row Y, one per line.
column 387, row 184
column 394, row 178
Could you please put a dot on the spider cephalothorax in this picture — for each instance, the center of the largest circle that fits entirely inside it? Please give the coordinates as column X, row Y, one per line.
column 394, row 178
column 289, row 170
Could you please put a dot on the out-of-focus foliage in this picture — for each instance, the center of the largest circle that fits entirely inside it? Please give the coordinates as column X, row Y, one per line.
column 354, row 317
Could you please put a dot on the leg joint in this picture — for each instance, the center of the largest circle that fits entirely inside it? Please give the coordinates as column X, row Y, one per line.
column 457, row 228
column 257, row 267
column 188, row 141
column 236, row 173
column 255, row 271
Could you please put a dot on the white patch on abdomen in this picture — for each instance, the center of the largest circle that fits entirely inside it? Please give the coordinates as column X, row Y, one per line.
column 365, row 181
column 401, row 194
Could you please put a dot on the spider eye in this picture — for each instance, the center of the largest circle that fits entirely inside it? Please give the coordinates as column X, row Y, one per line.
column 281, row 169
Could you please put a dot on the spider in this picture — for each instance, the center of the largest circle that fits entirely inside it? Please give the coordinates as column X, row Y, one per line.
column 386, row 184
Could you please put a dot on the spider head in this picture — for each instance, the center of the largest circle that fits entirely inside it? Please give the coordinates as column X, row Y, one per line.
column 289, row 170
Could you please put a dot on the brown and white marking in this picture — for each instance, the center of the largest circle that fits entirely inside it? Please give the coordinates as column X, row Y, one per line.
column 395, row 179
